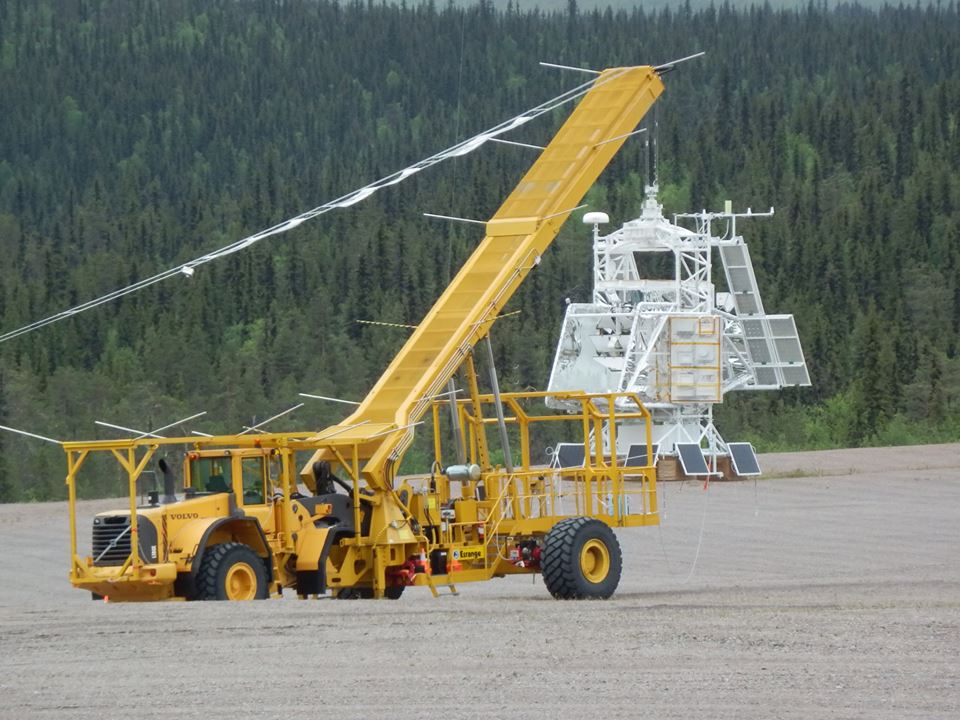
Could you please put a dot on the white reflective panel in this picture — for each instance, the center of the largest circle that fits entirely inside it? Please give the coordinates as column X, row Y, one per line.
column 683, row 327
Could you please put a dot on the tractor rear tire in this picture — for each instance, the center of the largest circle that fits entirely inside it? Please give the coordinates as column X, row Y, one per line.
column 232, row 571
column 363, row 593
column 350, row 593
column 581, row 560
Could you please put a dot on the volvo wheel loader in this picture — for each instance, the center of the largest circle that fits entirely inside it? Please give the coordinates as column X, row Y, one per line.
column 245, row 523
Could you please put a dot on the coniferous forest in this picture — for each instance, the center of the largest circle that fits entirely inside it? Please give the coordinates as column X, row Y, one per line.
column 137, row 134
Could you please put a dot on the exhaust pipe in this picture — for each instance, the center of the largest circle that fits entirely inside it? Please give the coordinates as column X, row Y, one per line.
column 169, row 483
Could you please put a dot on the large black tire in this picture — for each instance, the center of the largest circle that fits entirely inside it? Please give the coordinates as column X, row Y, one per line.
column 232, row 571
column 350, row 593
column 363, row 593
column 581, row 560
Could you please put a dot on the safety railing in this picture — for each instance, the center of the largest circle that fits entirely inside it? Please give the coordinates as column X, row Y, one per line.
column 604, row 487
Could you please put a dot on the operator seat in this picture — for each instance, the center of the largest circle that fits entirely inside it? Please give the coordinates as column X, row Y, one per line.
column 217, row 484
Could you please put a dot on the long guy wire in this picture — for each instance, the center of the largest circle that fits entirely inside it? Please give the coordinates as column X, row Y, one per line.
column 457, row 150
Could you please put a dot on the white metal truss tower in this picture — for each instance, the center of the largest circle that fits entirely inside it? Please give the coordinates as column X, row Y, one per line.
column 669, row 336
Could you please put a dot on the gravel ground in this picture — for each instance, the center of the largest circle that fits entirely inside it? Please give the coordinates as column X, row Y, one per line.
column 831, row 595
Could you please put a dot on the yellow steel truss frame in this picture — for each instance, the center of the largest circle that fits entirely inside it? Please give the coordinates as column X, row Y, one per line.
column 370, row 443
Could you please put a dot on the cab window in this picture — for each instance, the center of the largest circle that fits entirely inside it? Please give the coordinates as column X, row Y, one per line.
column 254, row 480
column 210, row 474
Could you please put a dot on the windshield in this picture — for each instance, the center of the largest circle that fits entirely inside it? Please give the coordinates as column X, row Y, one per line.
column 253, row 480
column 210, row 474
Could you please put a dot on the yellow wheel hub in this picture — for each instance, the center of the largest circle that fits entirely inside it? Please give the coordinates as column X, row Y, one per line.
column 594, row 561
column 241, row 582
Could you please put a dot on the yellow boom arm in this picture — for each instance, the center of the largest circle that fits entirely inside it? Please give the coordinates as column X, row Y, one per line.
column 517, row 235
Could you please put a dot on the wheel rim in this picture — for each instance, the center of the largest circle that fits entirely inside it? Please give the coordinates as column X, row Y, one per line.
column 241, row 582
column 594, row 561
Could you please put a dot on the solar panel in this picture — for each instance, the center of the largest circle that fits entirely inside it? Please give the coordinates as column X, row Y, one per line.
column 637, row 455
column 788, row 350
column 796, row 376
column 782, row 325
column 739, row 277
column 692, row 459
column 743, row 459
column 569, row 455
column 754, row 329
column 748, row 304
column 759, row 351
column 767, row 376
column 775, row 352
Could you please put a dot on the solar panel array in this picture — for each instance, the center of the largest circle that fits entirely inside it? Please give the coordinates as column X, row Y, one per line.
column 741, row 280
column 772, row 341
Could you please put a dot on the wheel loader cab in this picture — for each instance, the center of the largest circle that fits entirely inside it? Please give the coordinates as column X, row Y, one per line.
column 253, row 480
column 209, row 474
column 248, row 474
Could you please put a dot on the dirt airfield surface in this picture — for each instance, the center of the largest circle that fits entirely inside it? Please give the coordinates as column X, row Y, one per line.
column 836, row 594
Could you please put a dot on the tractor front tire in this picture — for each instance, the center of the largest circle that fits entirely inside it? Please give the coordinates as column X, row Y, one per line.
column 232, row 571
column 581, row 560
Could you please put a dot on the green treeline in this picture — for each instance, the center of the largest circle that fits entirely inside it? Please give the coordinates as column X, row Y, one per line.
column 135, row 134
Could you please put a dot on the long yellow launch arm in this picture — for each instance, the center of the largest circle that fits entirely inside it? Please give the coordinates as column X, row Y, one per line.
column 517, row 235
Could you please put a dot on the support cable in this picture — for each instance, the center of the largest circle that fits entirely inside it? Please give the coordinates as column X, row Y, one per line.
column 188, row 268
